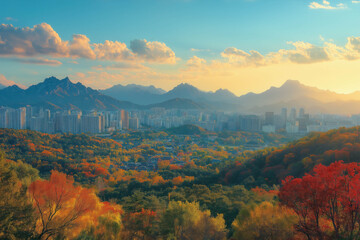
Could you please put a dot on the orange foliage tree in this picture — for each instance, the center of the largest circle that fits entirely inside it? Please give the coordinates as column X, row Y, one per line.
column 62, row 207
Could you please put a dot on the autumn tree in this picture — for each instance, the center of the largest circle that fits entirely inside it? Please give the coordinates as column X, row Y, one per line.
column 264, row 222
column 64, row 209
column 141, row 225
column 106, row 223
column 185, row 220
column 327, row 201
column 16, row 212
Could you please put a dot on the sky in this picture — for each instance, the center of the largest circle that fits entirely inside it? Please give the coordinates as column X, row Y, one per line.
column 240, row 45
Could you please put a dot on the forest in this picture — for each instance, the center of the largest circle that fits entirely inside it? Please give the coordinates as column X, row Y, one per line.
column 160, row 185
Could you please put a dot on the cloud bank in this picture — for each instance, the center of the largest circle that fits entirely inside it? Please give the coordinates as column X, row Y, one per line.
column 43, row 40
column 301, row 53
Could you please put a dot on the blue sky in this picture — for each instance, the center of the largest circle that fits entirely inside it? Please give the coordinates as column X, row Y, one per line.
column 201, row 28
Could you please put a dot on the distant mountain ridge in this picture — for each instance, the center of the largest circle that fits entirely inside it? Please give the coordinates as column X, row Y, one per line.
column 63, row 94
column 293, row 89
column 58, row 94
column 291, row 94
column 151, row 95
column 135, row 93
column 294, row 94
column 53, row 93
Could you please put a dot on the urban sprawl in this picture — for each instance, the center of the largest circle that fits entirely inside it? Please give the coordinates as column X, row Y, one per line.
column 296, row 121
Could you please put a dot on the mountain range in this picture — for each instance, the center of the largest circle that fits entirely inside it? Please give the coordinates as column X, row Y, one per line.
column 135, row 93
column 58, row 94
column 53, row 93
column 291, row 94
column 150, row 95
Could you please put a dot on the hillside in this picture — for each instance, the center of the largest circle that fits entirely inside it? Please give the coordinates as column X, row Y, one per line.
column 271, row 166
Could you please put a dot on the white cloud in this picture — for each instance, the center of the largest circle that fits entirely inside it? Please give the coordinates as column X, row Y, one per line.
column 153, row 51
column 80, row 47
column 235, row 55
column 42, row 39
column 326, row 5
column 195, row 61
column 39, row 40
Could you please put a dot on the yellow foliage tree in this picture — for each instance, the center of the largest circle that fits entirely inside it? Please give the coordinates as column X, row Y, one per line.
column 185, row 220
column 264, row 222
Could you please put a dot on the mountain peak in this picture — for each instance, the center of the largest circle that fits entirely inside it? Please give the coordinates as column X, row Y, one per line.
column 185, row 87
column 51, row 79
column 66, row 79
column 55, row 80
column 223, row 91
column 15, row 88
column 292, row 83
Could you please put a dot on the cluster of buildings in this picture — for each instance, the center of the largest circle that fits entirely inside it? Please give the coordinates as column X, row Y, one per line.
column 42, row 120
column 298, row 121
column 293, row 121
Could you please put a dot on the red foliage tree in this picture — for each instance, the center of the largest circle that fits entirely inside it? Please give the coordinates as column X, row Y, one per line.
column 326, row 201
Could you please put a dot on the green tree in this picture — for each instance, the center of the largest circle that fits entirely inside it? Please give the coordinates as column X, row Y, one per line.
column 16, row 211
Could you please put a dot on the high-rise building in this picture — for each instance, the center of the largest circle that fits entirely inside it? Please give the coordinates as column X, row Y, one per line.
column 301, row 113
column 58, row 120
column 47, row 115
column 4, row 118
column 17, row 118
column 269, row 118
column 134, row 123
column 29, row 115
column 92, row 124
column 250, row 123
column 302, row 124
column 118, row 121
column 37, row 124
column 292, row 116
column 125, row 119
column 71, row 123
column 283, row 116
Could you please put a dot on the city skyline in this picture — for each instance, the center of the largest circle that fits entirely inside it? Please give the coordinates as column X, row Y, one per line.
column 244, row 46
column 290, row 121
